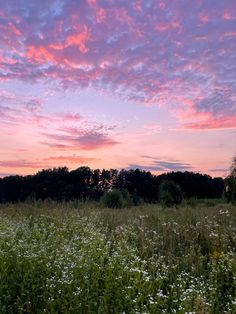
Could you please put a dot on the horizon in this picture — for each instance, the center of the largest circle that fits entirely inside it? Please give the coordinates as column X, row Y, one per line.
column 4, row 175
column 110, row 84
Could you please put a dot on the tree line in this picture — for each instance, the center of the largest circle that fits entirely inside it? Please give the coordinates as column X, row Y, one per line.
column 60, row 184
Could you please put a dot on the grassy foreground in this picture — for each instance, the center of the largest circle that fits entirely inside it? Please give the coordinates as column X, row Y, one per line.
column 75, row 258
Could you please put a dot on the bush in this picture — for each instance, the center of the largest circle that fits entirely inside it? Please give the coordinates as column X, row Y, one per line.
column 127, row 201
column 170, row 193
column 113, row 199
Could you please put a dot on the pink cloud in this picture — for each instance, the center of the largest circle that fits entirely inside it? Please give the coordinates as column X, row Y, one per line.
column 100, row 15
column 20, row 164
column 69, row 159
column 92, row 2
column 138, row 5
column 168, row 26
column 48, row 162
column 227, row 16
column 230, row 34
column 213, row 123
column 162, row 5
column 14, row 29
column 204, row 18
column 39, row 54
column 53, row 52
column 79, row 38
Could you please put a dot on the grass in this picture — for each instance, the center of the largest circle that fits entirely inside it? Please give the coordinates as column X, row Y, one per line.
column 77, row 258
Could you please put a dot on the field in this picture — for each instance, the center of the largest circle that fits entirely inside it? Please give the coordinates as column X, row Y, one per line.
column 79, row 258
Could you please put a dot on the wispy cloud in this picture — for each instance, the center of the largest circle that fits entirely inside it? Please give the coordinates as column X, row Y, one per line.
column 20, row 164
column 79, row 139
column 225, row 122
column 61, row 131
column 73, row 159
column 219, row 170
column 48, row 162
column 154, row 164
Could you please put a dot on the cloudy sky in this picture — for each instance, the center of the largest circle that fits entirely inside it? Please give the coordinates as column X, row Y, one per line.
column 117, row 83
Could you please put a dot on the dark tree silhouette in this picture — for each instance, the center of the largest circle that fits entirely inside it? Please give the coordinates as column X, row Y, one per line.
column 60, row 184
column 230, row 182
column 233, row 167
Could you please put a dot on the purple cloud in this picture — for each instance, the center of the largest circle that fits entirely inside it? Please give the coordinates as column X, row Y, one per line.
column 162, row 165
column 79, row 138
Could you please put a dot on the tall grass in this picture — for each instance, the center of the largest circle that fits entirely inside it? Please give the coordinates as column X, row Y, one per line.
column 76, row 258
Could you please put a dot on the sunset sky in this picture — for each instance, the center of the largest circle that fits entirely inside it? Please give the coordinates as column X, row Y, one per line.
column 117, row 84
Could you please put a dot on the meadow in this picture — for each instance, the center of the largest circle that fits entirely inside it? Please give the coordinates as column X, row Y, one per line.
column 80, row 258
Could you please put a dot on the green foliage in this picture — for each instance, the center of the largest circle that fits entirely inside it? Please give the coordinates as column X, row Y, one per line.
column 169, row 193
column 127, row 201
column 113, row 199
column 74, row 258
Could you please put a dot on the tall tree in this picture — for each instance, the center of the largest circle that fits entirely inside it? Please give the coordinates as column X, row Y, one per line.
column 230, row 182
column 233, row 167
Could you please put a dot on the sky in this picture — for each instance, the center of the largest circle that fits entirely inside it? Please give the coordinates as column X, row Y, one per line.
column 117, row 84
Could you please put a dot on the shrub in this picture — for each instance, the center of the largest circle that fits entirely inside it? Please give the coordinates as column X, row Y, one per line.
column 127, row 201
column 170, row 193
column 113, row 199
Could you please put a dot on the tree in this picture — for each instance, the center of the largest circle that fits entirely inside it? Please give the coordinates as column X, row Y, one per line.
column 233, row 167
column 170, row 193
column 230, row 182
column 113, row 199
